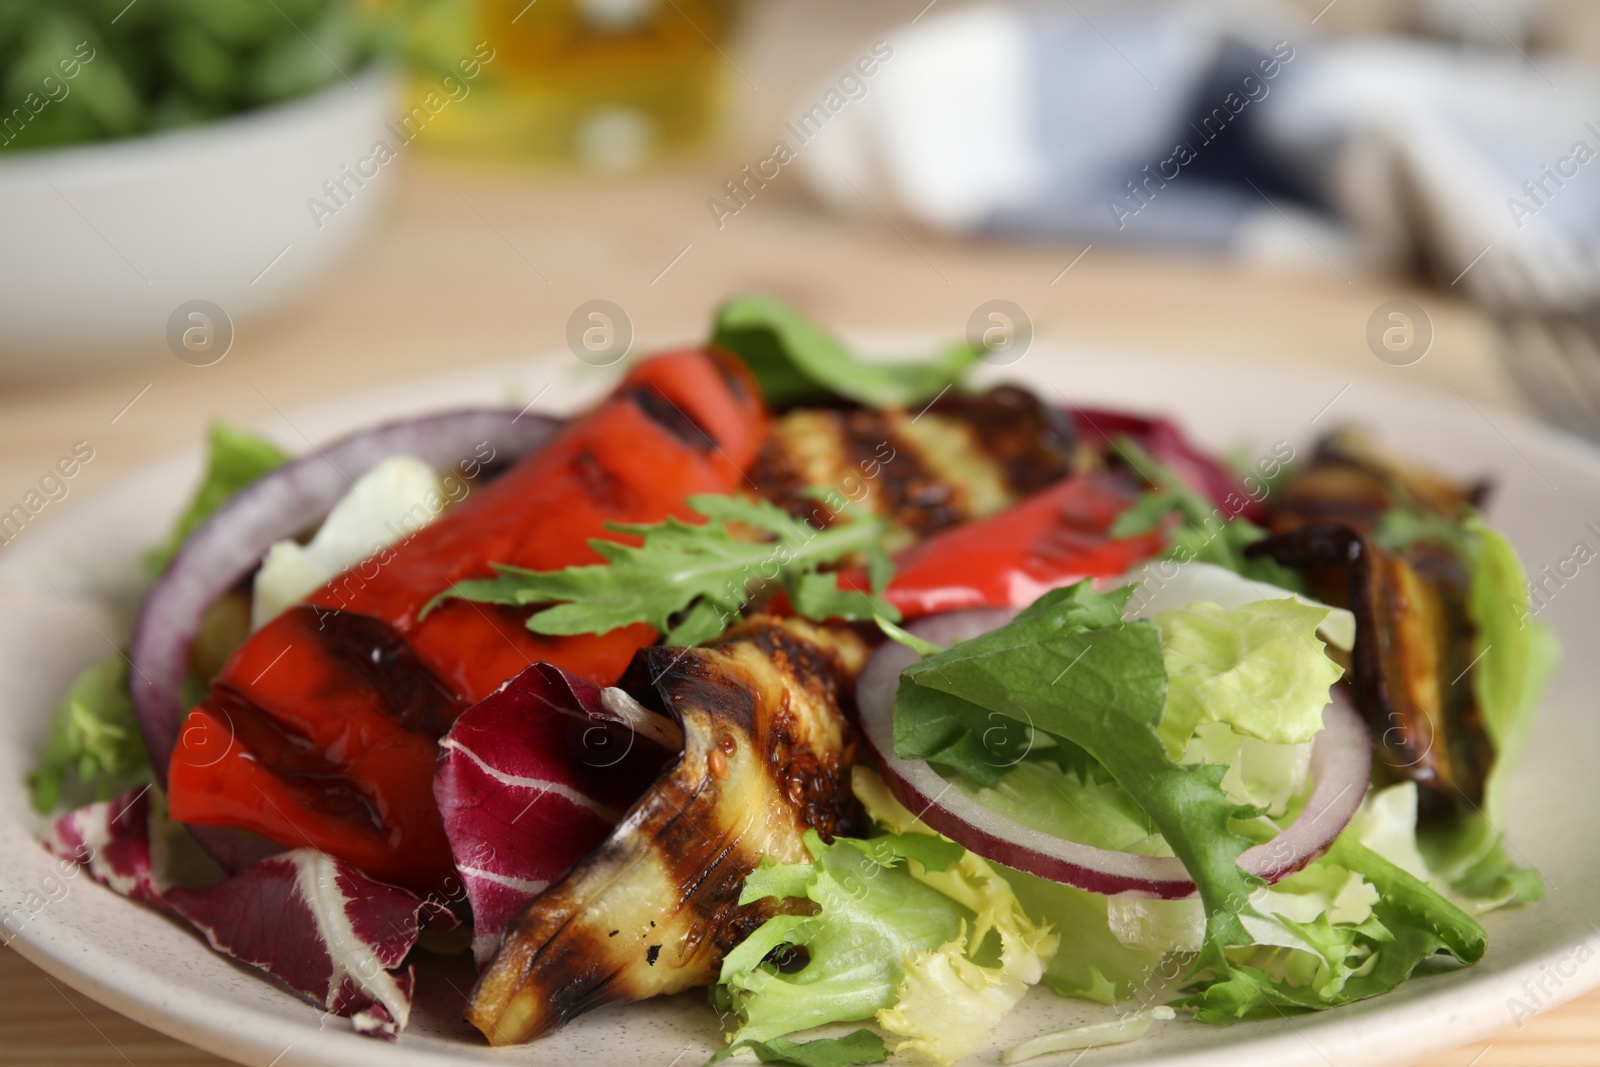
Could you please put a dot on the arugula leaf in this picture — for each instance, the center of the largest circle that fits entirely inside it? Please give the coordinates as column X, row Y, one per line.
column 234, row 459
column 796, row 361
column 1202, row 531
column 852, row 1050
column 94, row 749
column 1069, row 666
column 688, row 580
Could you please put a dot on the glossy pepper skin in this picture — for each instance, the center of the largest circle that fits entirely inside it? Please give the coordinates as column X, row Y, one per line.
column 322, row 728
column 1054, row 538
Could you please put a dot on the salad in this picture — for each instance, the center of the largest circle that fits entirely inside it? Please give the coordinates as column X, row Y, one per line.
column 860, row 697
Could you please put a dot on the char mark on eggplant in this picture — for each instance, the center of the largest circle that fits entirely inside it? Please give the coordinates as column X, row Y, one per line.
column 961, row 458
column 767, row 755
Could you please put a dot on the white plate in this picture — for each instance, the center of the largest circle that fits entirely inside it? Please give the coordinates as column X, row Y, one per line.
column 65, row 590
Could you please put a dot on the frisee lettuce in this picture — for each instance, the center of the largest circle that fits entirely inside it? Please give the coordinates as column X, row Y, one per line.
column 1353, row 924
column 869, row 915
column 951, row 997
column 1091, row 963
column 908, row 929
column 1406, row 923
column 94, row 749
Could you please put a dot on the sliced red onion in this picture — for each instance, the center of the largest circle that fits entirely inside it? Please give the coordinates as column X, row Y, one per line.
column 286, row 503
column 1341, row 763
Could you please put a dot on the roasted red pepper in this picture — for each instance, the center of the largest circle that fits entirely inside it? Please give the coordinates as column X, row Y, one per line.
column 1054, row 538
column 322, row 728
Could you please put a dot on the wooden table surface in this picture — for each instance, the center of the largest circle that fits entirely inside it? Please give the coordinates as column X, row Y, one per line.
column 480, row 264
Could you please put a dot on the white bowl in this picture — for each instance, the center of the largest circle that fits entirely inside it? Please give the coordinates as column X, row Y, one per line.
column 101, row 243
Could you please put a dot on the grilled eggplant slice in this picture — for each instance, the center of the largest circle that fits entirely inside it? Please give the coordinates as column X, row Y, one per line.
column 1410, row 669
column 1351, row 481
column 767, row 754
column 963, row 458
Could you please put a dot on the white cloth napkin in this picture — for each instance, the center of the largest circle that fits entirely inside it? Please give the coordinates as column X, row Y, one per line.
column 1196, row 126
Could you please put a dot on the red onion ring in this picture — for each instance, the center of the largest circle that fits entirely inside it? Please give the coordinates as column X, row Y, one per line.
column 1341, row 766
column 284, row 503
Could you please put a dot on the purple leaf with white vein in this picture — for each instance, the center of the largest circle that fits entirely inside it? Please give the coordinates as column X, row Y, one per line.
column 533, row 777
column 110, row 840
column 322, row 927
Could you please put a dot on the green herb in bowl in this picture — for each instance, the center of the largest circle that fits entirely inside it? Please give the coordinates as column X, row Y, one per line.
column 73, row 71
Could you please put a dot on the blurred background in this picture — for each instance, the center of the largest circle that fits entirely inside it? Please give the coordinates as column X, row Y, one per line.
column 225, row 209
column 208, row 197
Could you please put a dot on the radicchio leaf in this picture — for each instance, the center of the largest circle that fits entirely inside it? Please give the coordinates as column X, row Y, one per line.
column 532, row 778
column 110, row 839
column 1168, row 446
column 321, row 926
column 316, row 923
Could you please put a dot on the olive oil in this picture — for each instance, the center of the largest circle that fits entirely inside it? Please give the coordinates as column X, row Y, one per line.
column 607, row 84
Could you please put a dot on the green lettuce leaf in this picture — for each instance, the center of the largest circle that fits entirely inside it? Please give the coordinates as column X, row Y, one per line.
column 1260, row 668
column 909, row 929
column 796, row 361
column 1084, row 806
column 1070, row 667
column 94, row 749
column 1515, row 656
column 869, row 916
column 1091, row 962
column 951, row 997
column 234, row 459
column 1515, row 653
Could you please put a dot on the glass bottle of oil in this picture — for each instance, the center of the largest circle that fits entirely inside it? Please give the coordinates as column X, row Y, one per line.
column 610, row 84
